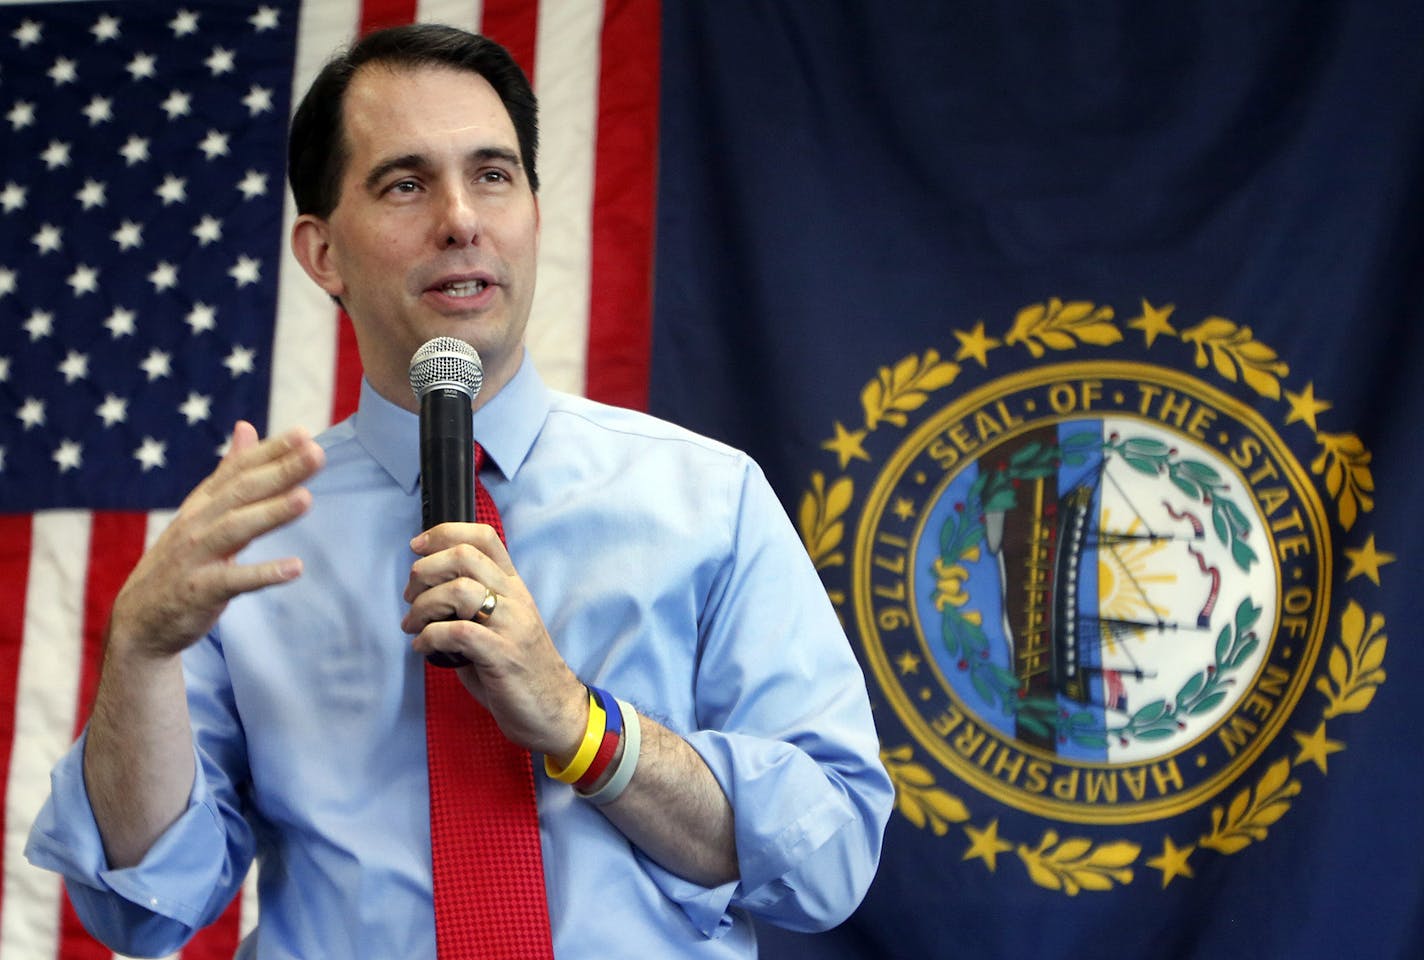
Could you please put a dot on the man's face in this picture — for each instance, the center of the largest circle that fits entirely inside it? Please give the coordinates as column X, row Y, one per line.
column 436, row 229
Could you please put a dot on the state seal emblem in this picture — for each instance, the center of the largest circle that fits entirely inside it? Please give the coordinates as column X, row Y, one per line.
column 1117, row 588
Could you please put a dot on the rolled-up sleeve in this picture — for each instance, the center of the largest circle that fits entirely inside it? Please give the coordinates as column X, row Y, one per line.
column 184, row 881
column 785, row 726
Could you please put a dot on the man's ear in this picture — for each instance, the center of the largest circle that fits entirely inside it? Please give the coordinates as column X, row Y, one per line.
column 311, row 245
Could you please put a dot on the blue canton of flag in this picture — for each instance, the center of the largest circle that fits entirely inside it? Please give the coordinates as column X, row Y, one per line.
column 141, row 187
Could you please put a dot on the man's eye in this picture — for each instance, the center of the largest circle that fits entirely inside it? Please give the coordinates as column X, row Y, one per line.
column 404, row 186
column 492, row 176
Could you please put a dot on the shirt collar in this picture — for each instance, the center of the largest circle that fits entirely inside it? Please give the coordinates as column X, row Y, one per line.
column 506, row 426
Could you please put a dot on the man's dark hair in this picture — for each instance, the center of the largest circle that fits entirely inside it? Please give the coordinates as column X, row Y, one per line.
column 317, row 151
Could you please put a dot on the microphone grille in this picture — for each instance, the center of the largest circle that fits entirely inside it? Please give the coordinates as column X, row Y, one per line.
column 446, row 362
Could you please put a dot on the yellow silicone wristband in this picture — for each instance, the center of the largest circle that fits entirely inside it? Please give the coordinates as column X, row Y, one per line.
column 592, row 738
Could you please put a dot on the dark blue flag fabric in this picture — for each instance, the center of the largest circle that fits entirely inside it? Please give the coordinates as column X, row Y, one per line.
column 1082, row 343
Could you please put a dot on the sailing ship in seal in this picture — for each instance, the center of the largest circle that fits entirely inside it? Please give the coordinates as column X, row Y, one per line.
column 1116, row 551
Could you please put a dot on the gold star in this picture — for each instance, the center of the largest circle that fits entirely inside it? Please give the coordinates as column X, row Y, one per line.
column 1366, row 561
column 904, row 508
column 975, row 344
column 1315, row 747
column 1172, row 862
column 846, row 445
column 1154, row 321
column 908, row 663
column 1304, row 406
column 985, row 844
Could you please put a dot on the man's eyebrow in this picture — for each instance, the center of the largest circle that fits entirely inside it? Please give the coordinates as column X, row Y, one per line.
column 486, row 154
column 409, row 161
column 419, row 161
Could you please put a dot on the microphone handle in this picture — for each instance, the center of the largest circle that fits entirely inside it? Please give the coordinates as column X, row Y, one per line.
column 447, row 457
column 447, row 471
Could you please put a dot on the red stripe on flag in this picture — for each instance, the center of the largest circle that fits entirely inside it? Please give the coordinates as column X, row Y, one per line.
column 115, row 545
column 346, row 387
column 14, row 581
column 624, row 200
column 376, row 14
column 515, row 25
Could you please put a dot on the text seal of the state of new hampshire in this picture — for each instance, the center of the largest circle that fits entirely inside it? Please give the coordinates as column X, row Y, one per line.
column 1100, row 587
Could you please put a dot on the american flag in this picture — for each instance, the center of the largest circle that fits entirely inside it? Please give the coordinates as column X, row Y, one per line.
column 147, row 300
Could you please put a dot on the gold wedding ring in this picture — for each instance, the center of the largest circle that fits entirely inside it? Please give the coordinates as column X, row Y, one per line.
column 487, row 606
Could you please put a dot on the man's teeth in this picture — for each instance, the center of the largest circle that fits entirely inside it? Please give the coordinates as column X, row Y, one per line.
column 465, row 288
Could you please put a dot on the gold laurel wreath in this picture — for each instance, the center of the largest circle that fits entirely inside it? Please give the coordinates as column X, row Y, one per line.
column 1355, row 662
column 1252, row 811
column 819, row 519
column 1234, row 348
column 1345, row 463
column 1061, row 325
column 904, row 388
column 1076, row 864
column 916, row 796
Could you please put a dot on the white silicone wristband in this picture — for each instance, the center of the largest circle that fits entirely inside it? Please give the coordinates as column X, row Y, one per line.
column 627, row 764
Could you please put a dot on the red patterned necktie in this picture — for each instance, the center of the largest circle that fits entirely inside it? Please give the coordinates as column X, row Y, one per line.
column 484, row 829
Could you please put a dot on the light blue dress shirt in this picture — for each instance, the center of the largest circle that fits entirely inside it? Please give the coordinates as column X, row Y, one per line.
column 667, row 573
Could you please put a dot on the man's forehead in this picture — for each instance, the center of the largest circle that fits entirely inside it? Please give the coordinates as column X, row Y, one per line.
column 397, row 99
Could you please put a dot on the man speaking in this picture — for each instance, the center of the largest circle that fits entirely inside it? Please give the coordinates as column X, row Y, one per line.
column 610, row 714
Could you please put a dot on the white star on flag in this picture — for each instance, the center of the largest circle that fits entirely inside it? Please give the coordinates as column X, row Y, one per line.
column 48, row 239
column 22, row 115
column 74, row 366
column 32, row 413
column 39, row 324
column 239, row 361
column 151, row 454
column 129, row 235
column 12, row 197
column 120, row 323
column 68, row 456
column 143, row 66
column 105, row 28
column 253, row 184
column 246, row 271
column 156, row 365
column 201, row 318
column 113, row 410
column 164, row 276
column 196, row 408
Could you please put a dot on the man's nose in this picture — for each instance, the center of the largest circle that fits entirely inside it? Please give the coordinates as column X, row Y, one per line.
column 460, row 221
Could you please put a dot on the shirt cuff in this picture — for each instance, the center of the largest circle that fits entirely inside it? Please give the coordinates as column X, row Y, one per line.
column 786, row 811
column 188, row 858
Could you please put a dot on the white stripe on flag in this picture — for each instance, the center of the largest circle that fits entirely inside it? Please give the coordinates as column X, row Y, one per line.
column 566, row 65
column 457, row 13
column 46, row 697
column 304, row 347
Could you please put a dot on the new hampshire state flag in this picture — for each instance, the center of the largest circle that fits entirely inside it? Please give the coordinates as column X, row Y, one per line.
column 1080, row 341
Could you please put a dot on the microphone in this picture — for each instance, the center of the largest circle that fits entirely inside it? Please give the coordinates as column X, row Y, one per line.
column 446, row 375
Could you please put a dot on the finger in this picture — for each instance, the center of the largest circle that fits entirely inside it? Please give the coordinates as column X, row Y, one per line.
column 461, row 560
column 443, row 536
column 470, row 640
column 455, row 600
column 219, row 584
column 230, row 532
column 258, row 473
